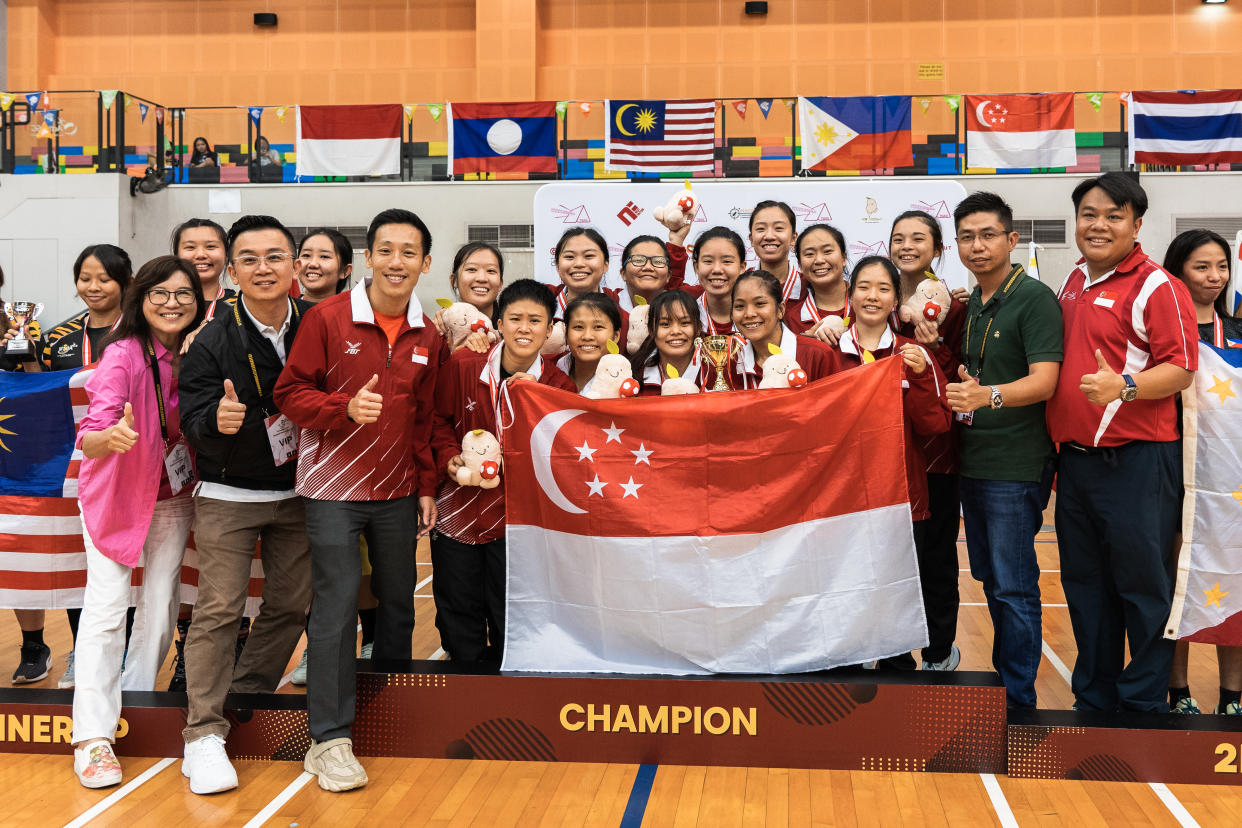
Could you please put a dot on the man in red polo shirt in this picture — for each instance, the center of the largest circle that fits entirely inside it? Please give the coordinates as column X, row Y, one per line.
column 1130, row 347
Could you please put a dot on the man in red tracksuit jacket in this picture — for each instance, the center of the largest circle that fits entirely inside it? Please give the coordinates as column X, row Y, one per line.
column 468, row 544
column 359, row 381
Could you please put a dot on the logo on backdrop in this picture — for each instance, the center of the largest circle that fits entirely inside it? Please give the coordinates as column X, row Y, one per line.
column 571, row 215
column 861, row 249
column 629, row 213
column 813, row 213
column 937, row 209
column 872, row 209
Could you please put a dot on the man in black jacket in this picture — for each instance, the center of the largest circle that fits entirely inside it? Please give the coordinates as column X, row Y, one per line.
column 247, row 459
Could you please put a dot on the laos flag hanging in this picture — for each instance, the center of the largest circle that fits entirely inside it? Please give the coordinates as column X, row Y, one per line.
column 502, row 137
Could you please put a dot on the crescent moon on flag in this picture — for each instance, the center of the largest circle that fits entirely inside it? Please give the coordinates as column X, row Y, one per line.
column 979, row 113
column 621, row 113
column 541, row 439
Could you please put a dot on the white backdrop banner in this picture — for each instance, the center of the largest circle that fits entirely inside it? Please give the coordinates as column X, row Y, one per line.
column 863, row 210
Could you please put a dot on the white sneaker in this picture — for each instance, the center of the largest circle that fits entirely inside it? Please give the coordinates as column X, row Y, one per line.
column 298, row 676
column 334, row 764
column 207, row 766
column 66, row 681
column 950, row 663
column 95, row 765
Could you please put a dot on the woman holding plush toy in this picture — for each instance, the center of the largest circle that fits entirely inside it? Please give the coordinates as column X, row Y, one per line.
column 758, row 312
column 821, row 255
column 591, row 321
column 915, row 245
column 674, row 328
column 468, row 543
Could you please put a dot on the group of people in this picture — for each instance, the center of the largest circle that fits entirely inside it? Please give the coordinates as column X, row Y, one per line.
column 308, row 422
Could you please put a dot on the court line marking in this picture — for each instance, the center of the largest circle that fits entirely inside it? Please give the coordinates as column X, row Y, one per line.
column 984, row 604
column 284, row 796
column 636, row 806
column 120, row 793
column 439, row 654
column 1057, row 663
column 1176, row 808
column 422, row 583
column 999, row 804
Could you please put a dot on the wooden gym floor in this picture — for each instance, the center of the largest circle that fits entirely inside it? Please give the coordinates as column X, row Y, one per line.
column 41, row 790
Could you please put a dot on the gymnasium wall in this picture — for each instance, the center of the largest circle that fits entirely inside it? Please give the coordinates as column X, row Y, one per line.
column 208, row 52
column 45, row 221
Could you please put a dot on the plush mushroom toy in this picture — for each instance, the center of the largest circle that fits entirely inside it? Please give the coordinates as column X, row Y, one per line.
column 781, row 371
column 480, row 457
column 613, row 377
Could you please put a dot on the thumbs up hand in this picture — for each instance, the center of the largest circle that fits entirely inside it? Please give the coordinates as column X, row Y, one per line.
column 1105, row 385
column 121, row 437
column 967, row 395
column 230, row 413
column 366, row 405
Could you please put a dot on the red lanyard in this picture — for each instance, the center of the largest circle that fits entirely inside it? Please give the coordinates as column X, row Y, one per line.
column 561, row 301
column 211, row 309
column 791, row 282
column 809, row 307
column 1218, row 331
column 86, row 341
column 712, row 328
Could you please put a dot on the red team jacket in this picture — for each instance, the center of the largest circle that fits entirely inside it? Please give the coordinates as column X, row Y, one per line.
column 941, row 450
column 337, row 349
column 927, row 411
column 464, row 402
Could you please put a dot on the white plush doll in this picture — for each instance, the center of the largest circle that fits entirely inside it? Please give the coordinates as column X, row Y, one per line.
column 780, row 371
column 930, row 302
column 555, row 343
column 613, row 377
column 836, row 324
column 480, row 456
column 679, row 211
column 639, row 325
column 462, row 319
column 676, row 384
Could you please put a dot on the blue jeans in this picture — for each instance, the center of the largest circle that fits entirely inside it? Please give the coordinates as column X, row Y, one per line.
column 1002, row 518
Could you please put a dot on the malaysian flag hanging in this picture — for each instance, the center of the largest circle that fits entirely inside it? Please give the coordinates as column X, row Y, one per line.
column 660, row 136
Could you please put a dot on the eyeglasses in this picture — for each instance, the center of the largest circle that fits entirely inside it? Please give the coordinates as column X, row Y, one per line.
column 641, row 261
column 159, row 296
column 272, row 259
column 987, row 237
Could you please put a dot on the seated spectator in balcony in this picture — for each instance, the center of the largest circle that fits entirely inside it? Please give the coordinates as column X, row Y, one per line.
column 203, row 155
column 264, row 155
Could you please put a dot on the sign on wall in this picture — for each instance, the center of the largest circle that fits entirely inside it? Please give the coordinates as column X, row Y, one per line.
column 863, row 210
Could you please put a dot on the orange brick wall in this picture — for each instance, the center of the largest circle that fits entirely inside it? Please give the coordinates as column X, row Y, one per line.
column 208, row 52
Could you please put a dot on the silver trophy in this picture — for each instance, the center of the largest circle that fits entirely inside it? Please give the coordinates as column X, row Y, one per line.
column 21, row 314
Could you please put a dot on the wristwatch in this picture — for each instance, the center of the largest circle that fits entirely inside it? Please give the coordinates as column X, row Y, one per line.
column 997, row 402
column 1130, row 392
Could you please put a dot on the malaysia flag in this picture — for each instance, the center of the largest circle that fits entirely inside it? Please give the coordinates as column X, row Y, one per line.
column 1207, row 602
column 854, row 134
column 660, row 136
column 745, row 532
column 1020, row 131
column 1186, row 128
column 358, row 139
column 502, row 137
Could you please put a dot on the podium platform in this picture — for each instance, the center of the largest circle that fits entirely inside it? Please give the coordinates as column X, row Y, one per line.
column 845, row 719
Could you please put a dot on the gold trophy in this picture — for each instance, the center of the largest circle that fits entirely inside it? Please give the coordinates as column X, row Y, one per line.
column 719, row 349
column 21, row 314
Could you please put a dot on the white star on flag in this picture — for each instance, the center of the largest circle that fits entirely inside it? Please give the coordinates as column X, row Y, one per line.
column 596, row 486
column 641, row 454
column 631, row 489
column 613, row 433
column 585, row 452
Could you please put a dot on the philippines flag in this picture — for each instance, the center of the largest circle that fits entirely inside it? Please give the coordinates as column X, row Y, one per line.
column 710, row 533
column 502, row 137
column 1186, row 128
column 854, row 134
column 1020, row 131
column 660, row 136
column 358, row 139
column 1207, row 603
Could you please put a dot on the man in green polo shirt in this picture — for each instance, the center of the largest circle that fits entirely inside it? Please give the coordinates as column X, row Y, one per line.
column 1011, row 357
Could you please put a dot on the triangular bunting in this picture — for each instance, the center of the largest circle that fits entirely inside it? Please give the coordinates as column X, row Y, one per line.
column 436, row 111
column 6, row 100
column 108, row 96
column 740, row 108
column 954, row 101
column 765, row 105
column 142, row 111
column 32, row 99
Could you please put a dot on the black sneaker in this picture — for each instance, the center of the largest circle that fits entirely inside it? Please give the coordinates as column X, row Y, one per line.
column 177, row 684
column 36, row 662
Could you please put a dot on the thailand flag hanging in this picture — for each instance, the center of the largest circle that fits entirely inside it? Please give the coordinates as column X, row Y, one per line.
column 745, row 532
column 1186, row 128
column 502, row 137
column 358, row 139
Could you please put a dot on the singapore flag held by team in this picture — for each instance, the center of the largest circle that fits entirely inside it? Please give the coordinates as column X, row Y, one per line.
column 746, row 532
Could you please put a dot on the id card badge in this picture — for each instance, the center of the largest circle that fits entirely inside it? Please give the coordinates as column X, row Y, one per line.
column 179, row 467
column 282, row 434
column 965, row 417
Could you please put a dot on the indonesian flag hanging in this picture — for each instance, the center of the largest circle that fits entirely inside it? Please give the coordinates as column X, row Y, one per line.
column 748, row 532
column 359, row 139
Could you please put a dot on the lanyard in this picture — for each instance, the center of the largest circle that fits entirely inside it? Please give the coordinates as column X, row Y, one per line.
column 1218, row 331
column 211, row 309
column 712, row 328
column 809, row 307
column 791, row 283
column 87, row 361
column 159, row 390
column 561, row 301
column 254, row 371
column 996, row 303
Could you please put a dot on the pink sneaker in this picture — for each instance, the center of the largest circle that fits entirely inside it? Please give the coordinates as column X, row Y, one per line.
column 96, row 765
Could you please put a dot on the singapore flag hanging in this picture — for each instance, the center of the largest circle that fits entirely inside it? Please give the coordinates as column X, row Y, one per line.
column 1020, row 131
column 745, row 532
